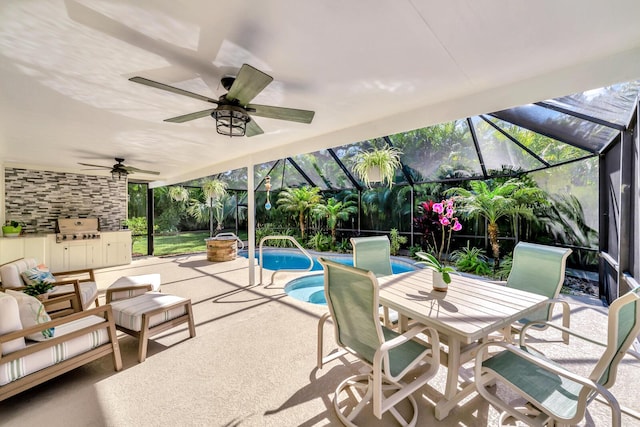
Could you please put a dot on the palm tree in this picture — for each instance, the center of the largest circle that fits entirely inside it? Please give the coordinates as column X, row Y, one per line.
column 334, row 211
column 299, row 200
column 214, row 190
column 493, row 202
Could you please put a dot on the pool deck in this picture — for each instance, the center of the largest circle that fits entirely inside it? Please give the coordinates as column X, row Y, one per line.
column 252, row 363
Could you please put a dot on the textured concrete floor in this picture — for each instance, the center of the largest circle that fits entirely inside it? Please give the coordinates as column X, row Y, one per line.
column 252, row 363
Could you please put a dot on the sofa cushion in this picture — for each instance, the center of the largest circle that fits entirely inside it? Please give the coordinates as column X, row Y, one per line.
column 128, row 312
column 37, row 274
column 131, row 281
column 44, row 358
column 32, row 313
column 10, row 322
column 10, row 273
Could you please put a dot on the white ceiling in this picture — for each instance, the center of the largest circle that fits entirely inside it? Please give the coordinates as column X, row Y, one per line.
column 366, row 67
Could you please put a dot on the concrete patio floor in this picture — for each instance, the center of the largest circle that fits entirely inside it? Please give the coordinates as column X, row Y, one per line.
column 252, row 363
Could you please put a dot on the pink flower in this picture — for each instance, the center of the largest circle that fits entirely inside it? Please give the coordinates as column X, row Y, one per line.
column 449, row 213
column 456, row 225
column 450, row 203
column 445, row 221
column 438, row 208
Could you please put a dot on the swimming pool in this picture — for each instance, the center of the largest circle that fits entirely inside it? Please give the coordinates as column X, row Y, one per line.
column 283, row 259
column 311, row 288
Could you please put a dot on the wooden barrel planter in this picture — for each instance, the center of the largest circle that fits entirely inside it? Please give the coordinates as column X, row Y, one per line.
column 222, row 249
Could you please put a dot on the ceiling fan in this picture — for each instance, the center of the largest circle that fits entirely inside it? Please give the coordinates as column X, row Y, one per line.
column 119, row 169
column 233, row 112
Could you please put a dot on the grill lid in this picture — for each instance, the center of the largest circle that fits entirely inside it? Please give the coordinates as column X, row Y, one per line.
column 77, row 225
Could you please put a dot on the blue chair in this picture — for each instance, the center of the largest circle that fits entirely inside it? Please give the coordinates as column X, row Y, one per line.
column 399, row 365
column 556, row 394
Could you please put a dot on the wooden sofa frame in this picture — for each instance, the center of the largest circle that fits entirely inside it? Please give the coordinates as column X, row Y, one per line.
column 109, row 348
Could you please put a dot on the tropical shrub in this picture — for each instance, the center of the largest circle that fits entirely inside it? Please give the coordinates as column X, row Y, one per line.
column 299, row 201
column 437, row 223
column 396, row 240
column 319, row 242
column 471, row 260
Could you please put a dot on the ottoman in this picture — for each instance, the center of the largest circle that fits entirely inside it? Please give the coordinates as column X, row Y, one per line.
column 146, row 315
column 131, row 286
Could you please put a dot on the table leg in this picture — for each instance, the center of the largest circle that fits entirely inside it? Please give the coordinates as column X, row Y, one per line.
column 452, row 396
column 403, row 323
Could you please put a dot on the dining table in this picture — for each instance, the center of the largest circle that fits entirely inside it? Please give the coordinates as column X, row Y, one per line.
column 465, row 315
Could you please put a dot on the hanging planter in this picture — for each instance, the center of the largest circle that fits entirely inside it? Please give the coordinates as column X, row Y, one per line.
column 178, row 193
column 378, row 165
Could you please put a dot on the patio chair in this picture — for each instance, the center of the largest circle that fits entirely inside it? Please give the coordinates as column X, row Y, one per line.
column 369, row 253
column 539, row 269
column 352, row 297
column 556, row 394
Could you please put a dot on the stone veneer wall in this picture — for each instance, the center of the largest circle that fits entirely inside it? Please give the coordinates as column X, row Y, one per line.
column 38, row 198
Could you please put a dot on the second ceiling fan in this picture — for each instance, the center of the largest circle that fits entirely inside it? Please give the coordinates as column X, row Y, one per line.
column 233, row 112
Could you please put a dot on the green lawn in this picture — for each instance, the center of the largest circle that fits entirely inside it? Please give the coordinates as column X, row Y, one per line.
column 181, row 243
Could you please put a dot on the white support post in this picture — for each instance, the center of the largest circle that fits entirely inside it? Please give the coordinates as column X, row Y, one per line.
column 251, row 214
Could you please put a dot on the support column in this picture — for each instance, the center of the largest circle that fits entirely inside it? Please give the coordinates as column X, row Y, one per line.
column 251, row 225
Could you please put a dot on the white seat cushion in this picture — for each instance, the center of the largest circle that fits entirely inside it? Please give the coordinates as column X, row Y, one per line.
column 127, row 281
column 128, row 312
column 50, row 356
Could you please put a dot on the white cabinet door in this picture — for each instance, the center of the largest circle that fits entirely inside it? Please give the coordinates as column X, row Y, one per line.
column 76, row 256
column 94, row 254
column 116, row 248
column 11, row 248
column 35, row 247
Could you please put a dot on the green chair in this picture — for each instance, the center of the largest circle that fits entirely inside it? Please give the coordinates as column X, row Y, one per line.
column 539, row 269
column 352, row 297
column 557, row 395
column 372, row 254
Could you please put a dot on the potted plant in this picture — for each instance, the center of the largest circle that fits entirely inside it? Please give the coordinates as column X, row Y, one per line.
column 11, row 229
column 378, row 165
column 38, row 289
column 178, row 193
column 441, row 276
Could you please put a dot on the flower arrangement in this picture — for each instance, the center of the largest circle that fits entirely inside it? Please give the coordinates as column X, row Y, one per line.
column 438, row 217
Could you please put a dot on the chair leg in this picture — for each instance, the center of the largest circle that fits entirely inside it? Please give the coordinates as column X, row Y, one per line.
column 321, row 360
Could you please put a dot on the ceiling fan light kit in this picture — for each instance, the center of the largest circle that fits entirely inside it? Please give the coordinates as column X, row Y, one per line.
column 120, row 170
column 230, row 120
column 232, row 114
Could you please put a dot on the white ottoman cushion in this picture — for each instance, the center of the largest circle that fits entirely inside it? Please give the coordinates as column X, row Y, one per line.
column 128, row 312
column 127, row 281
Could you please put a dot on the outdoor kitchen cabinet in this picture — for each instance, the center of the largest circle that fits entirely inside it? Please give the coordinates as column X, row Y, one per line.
column 12, row 248
column 116, row 247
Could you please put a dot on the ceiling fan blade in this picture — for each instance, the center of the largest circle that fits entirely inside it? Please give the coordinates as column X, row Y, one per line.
column 168, row 88
column 95, row 166
column 190, row 116
column 281, row 113
column 133, row 169
column 249, row 82
column 253, row 129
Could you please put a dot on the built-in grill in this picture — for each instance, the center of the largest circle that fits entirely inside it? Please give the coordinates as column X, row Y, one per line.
column 70, row 229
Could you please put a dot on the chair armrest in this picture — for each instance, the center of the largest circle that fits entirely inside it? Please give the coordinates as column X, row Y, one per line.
column 544, row 364
column 74, row 305
column 84, row 271
column 558, row 327
column 102, row 311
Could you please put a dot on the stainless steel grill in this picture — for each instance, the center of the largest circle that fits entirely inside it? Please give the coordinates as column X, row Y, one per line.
column 70, row 229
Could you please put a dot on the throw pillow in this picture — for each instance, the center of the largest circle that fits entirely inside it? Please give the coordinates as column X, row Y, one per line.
column 32, row 312
column 37, row 274
column 10, row 322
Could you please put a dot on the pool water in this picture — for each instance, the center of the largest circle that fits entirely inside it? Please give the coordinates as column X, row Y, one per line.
column 311, row 288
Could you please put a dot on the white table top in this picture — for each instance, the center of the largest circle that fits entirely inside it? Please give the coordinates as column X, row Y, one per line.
column 470, row 309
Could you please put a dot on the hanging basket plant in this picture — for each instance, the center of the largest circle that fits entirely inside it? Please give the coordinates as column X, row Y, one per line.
column 178, row 193
column 378, row 165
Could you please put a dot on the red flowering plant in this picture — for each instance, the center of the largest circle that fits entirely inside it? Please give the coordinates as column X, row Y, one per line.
column 438, row 218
